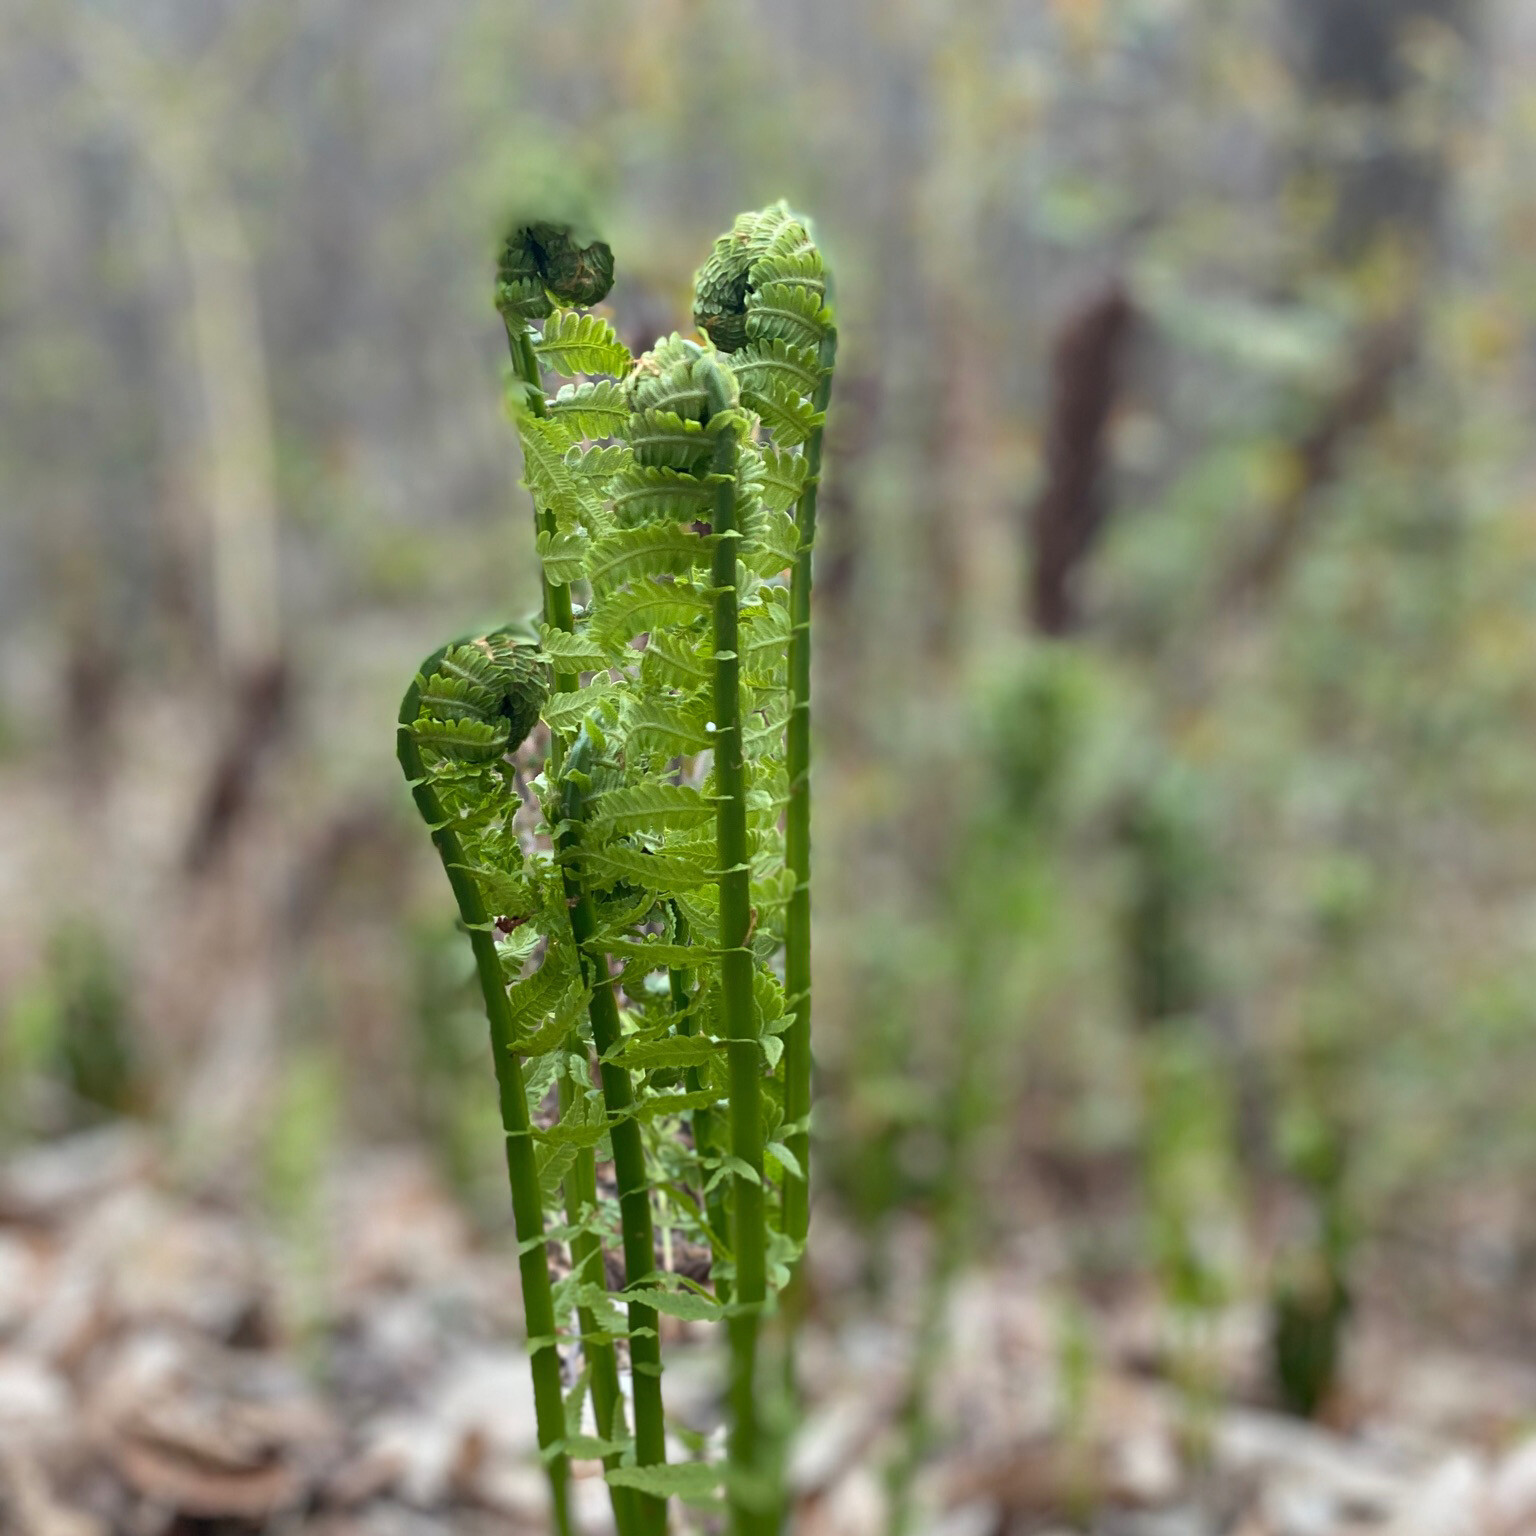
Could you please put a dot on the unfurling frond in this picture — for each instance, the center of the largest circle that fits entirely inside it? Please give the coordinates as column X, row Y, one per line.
column 544, row 264
column 771, row 248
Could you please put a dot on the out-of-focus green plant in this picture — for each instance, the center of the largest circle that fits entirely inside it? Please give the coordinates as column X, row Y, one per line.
column 635, row 929
column 1026, row 733
column 1187, row 1134
column 70, row 1027
column 1311, row 1294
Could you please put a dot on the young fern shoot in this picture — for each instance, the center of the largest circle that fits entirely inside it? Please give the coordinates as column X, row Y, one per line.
column 632, row 947
column 761, row 297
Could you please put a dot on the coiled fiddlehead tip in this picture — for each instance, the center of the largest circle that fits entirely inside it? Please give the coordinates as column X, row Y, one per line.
column 543, row 264
column 479, row 699
column 759, row 244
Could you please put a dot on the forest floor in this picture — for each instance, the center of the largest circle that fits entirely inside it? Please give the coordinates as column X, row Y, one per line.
column 173, row 1363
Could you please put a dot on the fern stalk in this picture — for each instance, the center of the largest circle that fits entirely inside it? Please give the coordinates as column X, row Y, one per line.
column 736, row 969
column 638, row 1233
column 797, row 849
column 522, row 1165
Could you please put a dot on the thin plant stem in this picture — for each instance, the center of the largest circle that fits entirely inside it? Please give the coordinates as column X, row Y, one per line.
column 706, row 1131
column 746, row 1486
column 522, row 1165
column 638, row 1232
column 797, row 845
column 596, row 1347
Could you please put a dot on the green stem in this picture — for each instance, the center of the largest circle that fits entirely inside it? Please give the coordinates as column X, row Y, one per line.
column 797, row 848
column 747, row 1485
column 628, row 1149
column 596, row 1346
column 706, row 1133
column 522, row 1165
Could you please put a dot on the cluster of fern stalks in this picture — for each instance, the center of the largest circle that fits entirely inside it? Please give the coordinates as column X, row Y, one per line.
column 618, row 791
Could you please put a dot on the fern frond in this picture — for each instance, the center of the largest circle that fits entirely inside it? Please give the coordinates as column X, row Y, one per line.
column 673, row 726
column 645, row 494
column 574, row 342
column 775, row 363
column 612, row 864
column 548, row 477
column 642, row 609
column 663, row 380
column 463, row 741
column 564, row 556
column 598, row 464
column 791, row 314
column 666, row 440
column 652, row 549
column 563, row 713
column 578, row 652
column 775, row 543
column 790, row 417
column 595, row 409
column 671, row 662
column 783, row 477
column 653, row 805
column 802, row 268
column 761, row 733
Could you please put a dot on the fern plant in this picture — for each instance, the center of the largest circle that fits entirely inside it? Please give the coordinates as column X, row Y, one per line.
column 637, row 894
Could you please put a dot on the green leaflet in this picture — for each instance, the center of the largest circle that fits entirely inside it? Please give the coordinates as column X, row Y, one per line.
column 646, row 493
column 564, row 712
column 564, row 556
column 653, row 549
column 677, row 727
column 687, row 1480
column 670, row 661
column 788, row 312
column 594, row 409
column 465, row 741
column 689, row 1306
column 789, row 416
column 783, row 477
column 548, row 989
column 774, row 546
column 673, row 1051
column 664, row 439
column 801, row 268
column 548, row 477
column 650, row 806
column 655, row 1105
column 601, row 463
column 574, row 342
column 647, row 606
column 775, row 364
column 616, row 863
column 655, row 954
column 571, row 652
column 761, row 734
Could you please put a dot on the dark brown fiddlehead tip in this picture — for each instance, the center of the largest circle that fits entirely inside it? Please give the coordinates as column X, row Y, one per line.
column 544, row 264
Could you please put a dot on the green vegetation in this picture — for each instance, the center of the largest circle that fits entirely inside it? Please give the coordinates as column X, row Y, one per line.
column 634, row 933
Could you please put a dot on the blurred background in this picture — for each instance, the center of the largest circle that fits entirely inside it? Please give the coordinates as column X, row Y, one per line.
column 1176, row 822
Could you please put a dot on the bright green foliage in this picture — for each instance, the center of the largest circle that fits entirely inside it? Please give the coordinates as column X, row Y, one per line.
column 639, row 920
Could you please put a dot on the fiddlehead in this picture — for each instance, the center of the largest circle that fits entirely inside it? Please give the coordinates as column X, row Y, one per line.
column 543, row 266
